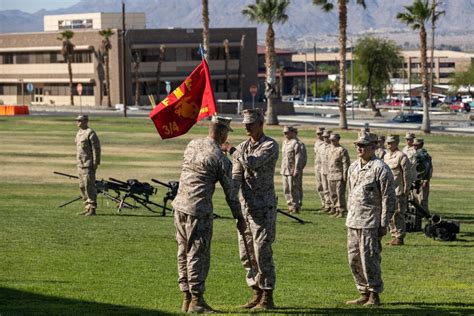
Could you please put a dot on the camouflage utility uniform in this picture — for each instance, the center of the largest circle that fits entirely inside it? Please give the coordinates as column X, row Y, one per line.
column 88, row 159
column 371, row 204
column 323, row 156
column 317, row 170
column 204, row 164
column 253, row 172
column 292, row 165
column 338, row 164
column 400, row 167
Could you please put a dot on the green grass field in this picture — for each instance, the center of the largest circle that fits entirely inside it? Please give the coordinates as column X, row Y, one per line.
column 55, row 262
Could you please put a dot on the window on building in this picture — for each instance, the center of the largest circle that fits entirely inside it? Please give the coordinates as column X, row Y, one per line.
column 447, row 65
column 81, row 57
column 9, row 89
column 444, row 74
column 22, row 58
column 216, row 53
column 7, row 58
column 75, row 24
column 170, row 54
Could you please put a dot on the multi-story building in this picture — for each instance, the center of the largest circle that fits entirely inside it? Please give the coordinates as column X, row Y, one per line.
column 95, row 21
column 444, row 65
column 36, row 59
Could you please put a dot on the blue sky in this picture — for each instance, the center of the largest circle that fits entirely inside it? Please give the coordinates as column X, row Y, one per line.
column 31, row 6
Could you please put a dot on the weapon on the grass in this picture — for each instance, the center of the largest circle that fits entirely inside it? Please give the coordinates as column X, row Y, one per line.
column 103, row 187
column 170, row 195
column 292, row 216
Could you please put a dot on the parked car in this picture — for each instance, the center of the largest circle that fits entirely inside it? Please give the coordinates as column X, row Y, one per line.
column 466, row 98
column 435, row 102
column 394, row 102
column 460, row 107
column 408, row 118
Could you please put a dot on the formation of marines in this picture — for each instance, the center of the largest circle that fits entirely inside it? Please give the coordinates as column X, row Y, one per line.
column 379, row 183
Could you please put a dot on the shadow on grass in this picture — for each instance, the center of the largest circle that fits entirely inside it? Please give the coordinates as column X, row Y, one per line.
column 14, row 302
column 385, row 309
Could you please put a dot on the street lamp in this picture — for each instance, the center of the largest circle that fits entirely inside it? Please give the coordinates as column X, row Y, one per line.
column 352, row 76
column 305, row 78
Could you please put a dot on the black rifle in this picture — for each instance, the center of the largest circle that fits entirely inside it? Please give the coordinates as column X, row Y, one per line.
column 292, row 216
column 103, row 187
column 170, row 195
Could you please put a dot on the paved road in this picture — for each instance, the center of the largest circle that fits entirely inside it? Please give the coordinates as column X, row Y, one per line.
column 446, row 123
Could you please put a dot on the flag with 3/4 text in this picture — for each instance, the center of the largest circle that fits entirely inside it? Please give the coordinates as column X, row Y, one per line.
column 192, row 101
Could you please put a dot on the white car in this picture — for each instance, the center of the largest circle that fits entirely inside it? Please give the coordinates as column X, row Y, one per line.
column 466, row 98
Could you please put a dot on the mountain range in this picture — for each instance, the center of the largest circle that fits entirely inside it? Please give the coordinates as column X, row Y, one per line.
column 306, row 23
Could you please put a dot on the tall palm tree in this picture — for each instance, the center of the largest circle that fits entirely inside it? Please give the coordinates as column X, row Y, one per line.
column 242, row 47
column 269, row 12
column 281, row 76
column 415, row 16
column 327, row 6
column 136, row 68
column 435, row 14
column 67, row 52
column 205, row 28
column 105, row 47
column 161, row 57
column 226, row 67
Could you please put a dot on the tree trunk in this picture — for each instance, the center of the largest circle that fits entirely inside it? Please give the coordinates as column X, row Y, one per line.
column 69, row 69
column 242, row 46
column 107, row 78
column 370, row 95
column 226, row 68
column 342, row 63
column 205, row 28
column 270, row 82
column 158, row 72
column 137, row 84
column 425, row 125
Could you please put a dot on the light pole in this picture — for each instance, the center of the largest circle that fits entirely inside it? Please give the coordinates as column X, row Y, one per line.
column 305, row 78
column 352, row 76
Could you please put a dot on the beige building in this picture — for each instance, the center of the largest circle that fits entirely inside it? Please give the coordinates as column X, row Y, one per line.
column 445, row 63
column 35, row 60
column 95, row 21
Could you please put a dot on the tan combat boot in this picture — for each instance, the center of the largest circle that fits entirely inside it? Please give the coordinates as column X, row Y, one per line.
column 266, row 302
column 186, row 301
column 86, row 210
column 374, row 299
column 341, row 215
column 91, row 211
column 198, row 305
column 397, row 242
column 364, row 298
column 332, row 211
column 255, row 299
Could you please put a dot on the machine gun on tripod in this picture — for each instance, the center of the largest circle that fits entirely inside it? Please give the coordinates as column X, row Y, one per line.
column 299, row 220
column 103, row 187
column 170, row 195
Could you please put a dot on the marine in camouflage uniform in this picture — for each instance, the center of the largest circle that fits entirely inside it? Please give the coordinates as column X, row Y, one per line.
column 400, row 167
column 423, row 176
column 410, row 151
column 381, row 150
column 317, row 165
column 253, row 172
column 88, row 160
column 338, row 163
column 204, row 164
column 323, row 156
column 292, row 164
column 371, row 204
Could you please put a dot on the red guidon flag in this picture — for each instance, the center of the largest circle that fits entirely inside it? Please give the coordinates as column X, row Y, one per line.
column 192, row 101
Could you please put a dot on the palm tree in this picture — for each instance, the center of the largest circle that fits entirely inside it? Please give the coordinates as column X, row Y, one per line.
column 281, row 73
column 205, row 28
column 226, row 67
column 242, row 47
column 161, row 57
column 269, row 12
column 67, row 52
column 136, row 68
column 415, row 16
column 105, row 46
column 327, row 6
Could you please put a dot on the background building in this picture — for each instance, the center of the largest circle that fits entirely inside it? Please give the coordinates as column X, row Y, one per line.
column 36, row 58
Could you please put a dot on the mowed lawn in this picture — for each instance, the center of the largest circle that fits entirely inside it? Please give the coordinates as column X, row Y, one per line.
column 55, row 262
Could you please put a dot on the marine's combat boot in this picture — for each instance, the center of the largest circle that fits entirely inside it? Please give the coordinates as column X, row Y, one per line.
column 374, row 299
column 341, row 215
column 266, row 302
column 255, row 299
column 91, row 211
column 397, row 242
column 186, row 301
column 332, row 211
column 198, row 305
column 364, row 298
column 86, row 210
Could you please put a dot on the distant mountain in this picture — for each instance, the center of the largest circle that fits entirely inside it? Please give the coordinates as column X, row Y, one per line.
column 306, row 23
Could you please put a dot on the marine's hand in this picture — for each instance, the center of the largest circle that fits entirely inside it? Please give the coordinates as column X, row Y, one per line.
column 241, row 225
column 382, row 231
column 226, row 147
